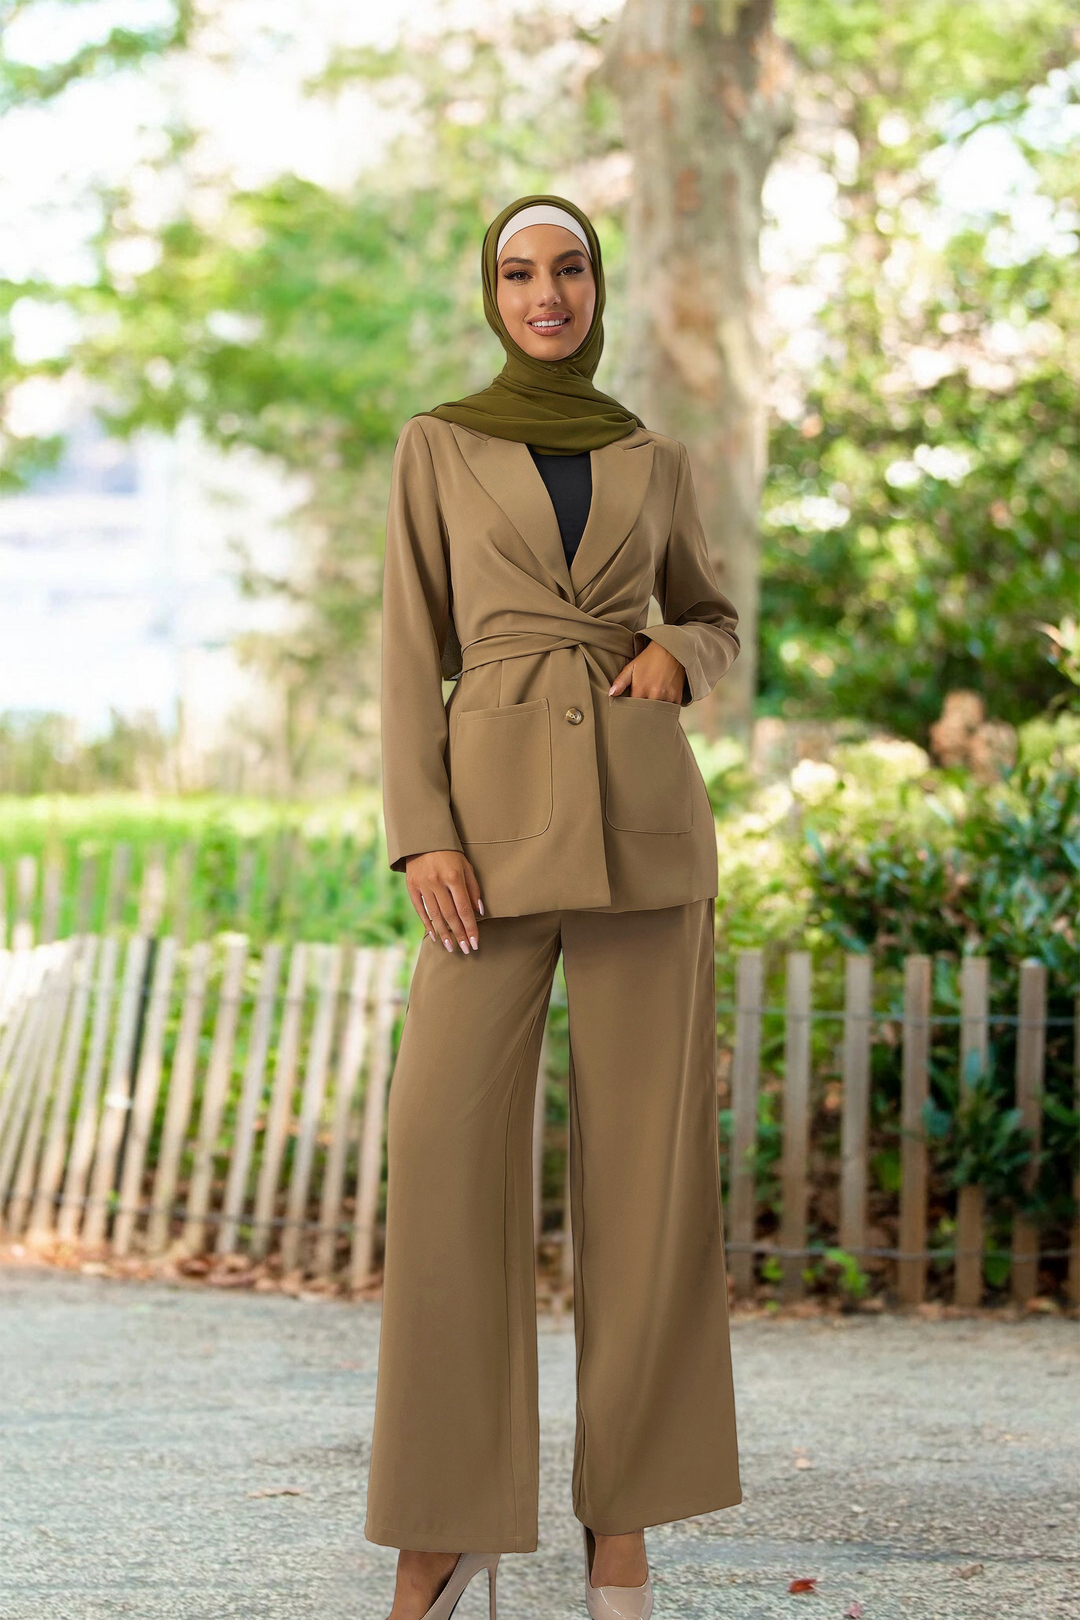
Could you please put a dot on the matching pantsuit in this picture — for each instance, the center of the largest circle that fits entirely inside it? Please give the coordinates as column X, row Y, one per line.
column 590, row 831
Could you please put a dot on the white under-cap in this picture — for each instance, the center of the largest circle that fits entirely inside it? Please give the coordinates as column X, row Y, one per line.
column 540, row 214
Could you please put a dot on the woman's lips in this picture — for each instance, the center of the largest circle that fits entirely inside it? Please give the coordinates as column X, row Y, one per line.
column 548, row 324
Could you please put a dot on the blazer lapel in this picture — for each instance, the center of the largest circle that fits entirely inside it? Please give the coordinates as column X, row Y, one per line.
column 508, row 473
column 620, row 478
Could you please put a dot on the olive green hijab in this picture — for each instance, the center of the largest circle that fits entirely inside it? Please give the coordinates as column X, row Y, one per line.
column 551, row 404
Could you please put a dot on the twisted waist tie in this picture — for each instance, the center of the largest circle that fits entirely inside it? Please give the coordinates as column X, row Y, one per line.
column 602, row 633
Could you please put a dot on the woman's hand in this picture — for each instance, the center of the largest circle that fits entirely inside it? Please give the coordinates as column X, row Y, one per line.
column 654, row 673
column 443, row 889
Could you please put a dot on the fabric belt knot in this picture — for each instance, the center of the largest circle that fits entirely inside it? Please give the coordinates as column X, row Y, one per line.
column 601, row 633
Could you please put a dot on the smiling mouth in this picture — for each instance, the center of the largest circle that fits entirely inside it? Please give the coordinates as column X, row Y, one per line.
column 548, row 324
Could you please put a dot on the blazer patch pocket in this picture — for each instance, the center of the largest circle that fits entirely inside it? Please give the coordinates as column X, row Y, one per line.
column 648, row 773
column 500, row 772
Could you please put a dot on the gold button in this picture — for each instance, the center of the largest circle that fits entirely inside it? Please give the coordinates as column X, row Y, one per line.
column 574, row 716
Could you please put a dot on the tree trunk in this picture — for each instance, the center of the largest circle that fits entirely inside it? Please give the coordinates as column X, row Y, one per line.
column 704, row 95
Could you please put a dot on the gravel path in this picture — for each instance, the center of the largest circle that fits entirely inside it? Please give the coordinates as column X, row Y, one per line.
column 179, row 1453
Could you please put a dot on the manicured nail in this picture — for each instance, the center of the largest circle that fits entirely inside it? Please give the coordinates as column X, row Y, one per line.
column 448, row 945
column 474, row 942
column 480, row 907
column 610, row 691
column 464, row 947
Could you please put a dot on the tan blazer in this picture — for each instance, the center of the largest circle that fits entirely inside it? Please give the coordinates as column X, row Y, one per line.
column 561, row 796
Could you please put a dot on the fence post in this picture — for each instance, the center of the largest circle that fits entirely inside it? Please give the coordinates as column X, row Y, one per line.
column 144, row 1100
column 262, row 1020
column 85, row 894
column 19, row 1091
column 1030, row 1066
column 181, row 1094
column 118, row 1093
column 43, row 1217
column 180, row 899
column 795, row 1144
column 152, row 892
column 914, row 1177
column 116, row 893
column 52, row 883
column 280, row 1114
column 311, row 1102
column 25, row 891
column 974, row 1045
column 215, row 1092
column 350, row 1060
column 56, row 995
column 855, row 1121
column 25, row 972
column 72, row 1209
column 745, row 1067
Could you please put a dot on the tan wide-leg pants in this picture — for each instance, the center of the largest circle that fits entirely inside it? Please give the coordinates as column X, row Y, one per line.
column 455, row 1451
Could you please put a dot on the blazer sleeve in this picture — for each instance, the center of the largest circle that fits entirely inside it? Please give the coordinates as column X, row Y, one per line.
column 699, row 621
column 417, row 637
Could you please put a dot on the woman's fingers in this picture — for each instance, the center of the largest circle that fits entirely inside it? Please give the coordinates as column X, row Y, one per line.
column 442, row 902
column 654, row 673
column 623, row 679
column 446, row 896
column 421, row 911
column 473, row 887
column 466, row 916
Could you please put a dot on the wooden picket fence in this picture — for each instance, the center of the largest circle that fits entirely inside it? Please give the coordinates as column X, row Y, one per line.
column 35, row 893
column 264, row 885
column 157, row 1101
column 83, row 1038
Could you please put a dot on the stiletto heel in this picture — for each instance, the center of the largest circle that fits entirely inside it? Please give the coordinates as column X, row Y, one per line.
column 468, row 1565
column 614, row 1602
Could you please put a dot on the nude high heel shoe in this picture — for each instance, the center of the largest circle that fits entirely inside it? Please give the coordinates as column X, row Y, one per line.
column 614, row 1602
column 468, row 1565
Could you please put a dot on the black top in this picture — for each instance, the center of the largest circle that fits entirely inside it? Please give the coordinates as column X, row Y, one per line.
column 569, row 483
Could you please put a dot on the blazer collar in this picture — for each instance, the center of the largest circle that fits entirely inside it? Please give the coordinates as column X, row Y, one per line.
column 620, row 478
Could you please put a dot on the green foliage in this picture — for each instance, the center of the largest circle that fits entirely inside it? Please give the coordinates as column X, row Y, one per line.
column 43, row 752
column 917, row 531
column 977, row 1142
column 921, row 508
column 271, row 871
column 991, row 869
column 307, row 323
column 851, row 1279
column 929, row 51
column 291, row 325
column 22, row 84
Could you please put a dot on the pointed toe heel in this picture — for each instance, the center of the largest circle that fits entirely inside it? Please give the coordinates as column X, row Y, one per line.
column 468, row 1565
column 614, row 1602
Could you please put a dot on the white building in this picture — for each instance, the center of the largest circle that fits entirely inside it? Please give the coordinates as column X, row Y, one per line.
column 119, row 583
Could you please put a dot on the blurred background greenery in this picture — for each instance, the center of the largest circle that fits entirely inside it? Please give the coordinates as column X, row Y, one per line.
column 841, row 246
column 902, row 253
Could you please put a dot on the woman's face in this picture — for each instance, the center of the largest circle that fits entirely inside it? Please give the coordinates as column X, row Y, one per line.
column 546, row 292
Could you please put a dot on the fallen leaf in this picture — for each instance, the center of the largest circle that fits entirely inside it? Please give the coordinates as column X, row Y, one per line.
column 284, row 1490
column 804, row 1583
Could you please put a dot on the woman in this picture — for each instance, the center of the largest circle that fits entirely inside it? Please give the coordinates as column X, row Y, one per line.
column 551, row 804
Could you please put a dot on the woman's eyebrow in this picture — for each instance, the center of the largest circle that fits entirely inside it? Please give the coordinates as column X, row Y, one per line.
column 567, row 253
